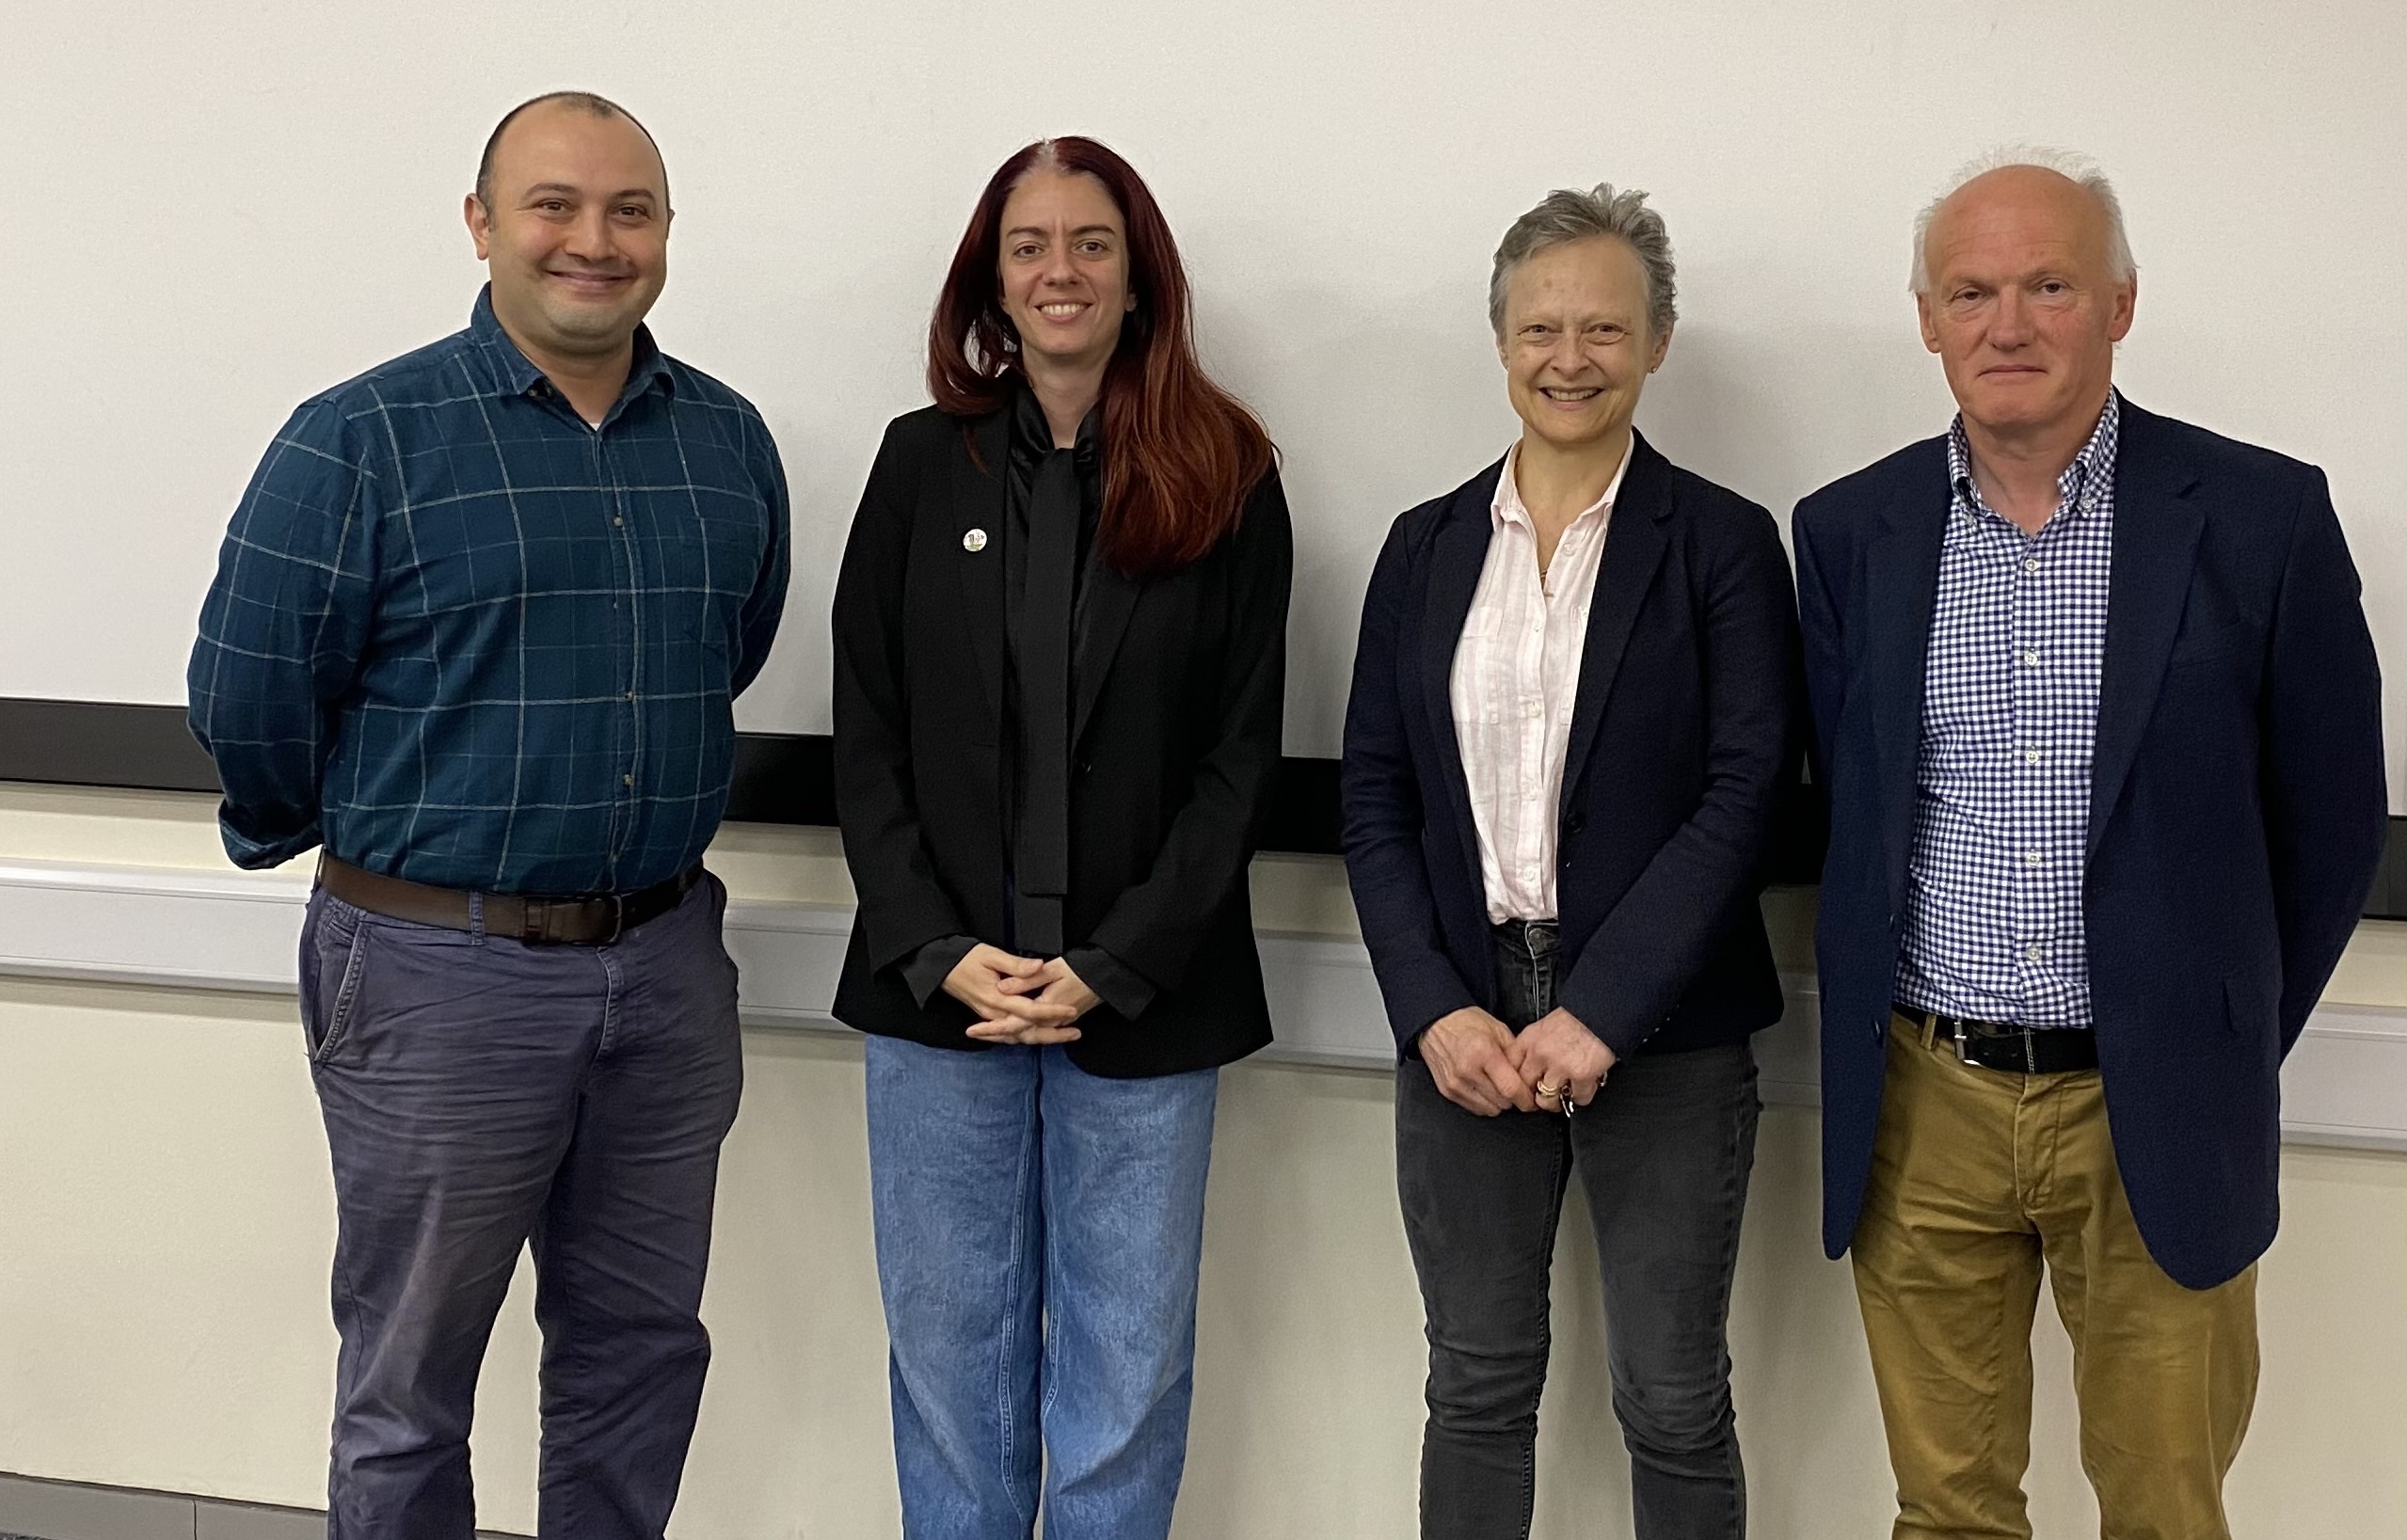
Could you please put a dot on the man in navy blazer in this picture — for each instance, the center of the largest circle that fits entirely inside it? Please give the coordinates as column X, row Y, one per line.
column 2098, row 718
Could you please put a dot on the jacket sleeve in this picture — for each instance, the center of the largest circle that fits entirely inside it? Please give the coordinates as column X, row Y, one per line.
column 902, row 905
column 1156, row 926
column 2326, row 804
column 1384, row 817
column 1647, row 951
column 282, row 630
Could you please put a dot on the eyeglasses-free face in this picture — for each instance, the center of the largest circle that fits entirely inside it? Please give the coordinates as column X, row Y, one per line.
column 1575, row 345
column 2023, row 308
column 576, row 231
column 1064, row 269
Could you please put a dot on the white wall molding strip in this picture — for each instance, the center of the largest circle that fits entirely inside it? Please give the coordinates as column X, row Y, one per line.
column 181, row 927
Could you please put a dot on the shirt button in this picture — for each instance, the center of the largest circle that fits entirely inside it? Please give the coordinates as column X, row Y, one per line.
column 630, row 695
column 1529, row 874
column 2031, row 858
column 2031, row 657
column 2031, row 565
column 1533, row 709
column 2031, row 757
column 629, row 779
column 617, row 523
column 2034, row 953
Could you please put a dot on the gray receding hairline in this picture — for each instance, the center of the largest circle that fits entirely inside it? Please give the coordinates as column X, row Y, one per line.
column 588, row 102
column 1568, row 214
column 2077, row 169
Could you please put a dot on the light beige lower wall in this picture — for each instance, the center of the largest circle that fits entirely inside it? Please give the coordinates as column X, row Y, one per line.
column 165, row 1217
column 164, row 1221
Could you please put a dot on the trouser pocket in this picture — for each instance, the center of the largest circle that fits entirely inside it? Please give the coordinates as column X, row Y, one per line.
column 334, row 948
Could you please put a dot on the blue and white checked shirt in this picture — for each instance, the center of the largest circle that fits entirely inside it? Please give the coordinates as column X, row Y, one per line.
column 460, row 637
column 1993, row 904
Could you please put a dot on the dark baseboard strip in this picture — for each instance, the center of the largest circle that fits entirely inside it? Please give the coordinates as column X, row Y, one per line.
column 59, row 1509
column 791, row 778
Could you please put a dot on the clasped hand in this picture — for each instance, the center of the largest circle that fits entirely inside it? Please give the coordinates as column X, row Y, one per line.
column 1019, row 999
column 1481, row 1065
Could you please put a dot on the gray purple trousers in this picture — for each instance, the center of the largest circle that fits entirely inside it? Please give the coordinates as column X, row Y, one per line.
column 481, row 1095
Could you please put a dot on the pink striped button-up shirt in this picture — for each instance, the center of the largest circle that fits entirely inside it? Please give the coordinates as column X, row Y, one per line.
column 1516, row 675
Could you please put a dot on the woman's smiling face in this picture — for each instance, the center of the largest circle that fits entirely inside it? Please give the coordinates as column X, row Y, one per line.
column 1064, row 268
column 1576, row 345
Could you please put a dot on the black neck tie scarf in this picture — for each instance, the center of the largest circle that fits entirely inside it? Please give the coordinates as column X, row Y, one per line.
column 1040, row 859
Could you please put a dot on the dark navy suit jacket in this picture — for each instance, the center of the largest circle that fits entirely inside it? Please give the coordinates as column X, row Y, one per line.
column 1682, row 731
column 2236, row 808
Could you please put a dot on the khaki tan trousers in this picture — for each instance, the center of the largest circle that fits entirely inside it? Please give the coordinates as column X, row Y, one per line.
column 1980, row 1178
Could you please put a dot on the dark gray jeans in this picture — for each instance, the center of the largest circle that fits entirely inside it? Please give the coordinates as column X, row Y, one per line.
column 481, row 1095
column 1664, row 1154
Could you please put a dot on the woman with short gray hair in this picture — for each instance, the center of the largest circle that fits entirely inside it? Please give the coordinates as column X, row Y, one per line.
column 1571, row 714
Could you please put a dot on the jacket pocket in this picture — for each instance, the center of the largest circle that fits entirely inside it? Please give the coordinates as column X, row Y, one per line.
column 2206, row 643
column 2251, row 1006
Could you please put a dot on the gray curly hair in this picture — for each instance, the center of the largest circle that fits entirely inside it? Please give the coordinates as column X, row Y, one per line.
column 1568, row 214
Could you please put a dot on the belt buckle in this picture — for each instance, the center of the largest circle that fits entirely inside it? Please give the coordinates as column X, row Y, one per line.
column 617, row 918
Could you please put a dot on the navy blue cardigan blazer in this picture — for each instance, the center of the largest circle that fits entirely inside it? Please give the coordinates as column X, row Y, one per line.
column 2237, row 807
column 1682, row 732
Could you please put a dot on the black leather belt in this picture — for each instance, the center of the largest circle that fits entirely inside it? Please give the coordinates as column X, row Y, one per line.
column 583, row 920
column 2018, row 1050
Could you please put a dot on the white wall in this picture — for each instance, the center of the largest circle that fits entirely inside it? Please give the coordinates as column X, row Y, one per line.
column 222, row 209
column 165, row 1221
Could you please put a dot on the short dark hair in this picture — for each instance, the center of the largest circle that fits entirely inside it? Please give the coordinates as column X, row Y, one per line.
column 600, row 107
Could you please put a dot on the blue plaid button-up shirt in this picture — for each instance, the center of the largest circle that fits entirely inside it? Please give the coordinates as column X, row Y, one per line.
column 1993, row 904
column 460, row 636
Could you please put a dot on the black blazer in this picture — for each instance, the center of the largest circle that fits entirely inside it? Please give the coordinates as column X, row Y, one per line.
column 1680, row 736
column 1175, row 739
column 2236, row 815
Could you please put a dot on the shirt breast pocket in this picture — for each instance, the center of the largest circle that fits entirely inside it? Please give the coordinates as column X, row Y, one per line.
column 733, row 540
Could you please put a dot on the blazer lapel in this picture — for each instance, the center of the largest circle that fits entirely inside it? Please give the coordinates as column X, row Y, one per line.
column 1456, row 557
column 1634, row 542
column 1901, row 591
column 2155, row 546
column 1111, row 598
column 975, row 497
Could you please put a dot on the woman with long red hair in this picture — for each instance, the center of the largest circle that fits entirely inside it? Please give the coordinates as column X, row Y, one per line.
column 1059, row 638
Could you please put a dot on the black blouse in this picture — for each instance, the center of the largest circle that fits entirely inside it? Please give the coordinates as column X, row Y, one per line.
column 1032, row 504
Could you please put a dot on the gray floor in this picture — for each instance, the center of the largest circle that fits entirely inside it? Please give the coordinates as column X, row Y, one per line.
column 33, row 1509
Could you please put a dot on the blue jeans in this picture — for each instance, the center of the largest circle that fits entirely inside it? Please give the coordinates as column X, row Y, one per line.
column 482, row 1096
column 1038, row 1232
column 1664, row 1154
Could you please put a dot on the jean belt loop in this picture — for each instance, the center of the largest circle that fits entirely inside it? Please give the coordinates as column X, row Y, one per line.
column 475, row 918
column 1930, row 1028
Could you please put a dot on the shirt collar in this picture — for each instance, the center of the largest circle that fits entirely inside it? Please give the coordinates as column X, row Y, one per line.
column 515, row 374
column 2095, row 460
column 1032, row 431
column 1507, row 508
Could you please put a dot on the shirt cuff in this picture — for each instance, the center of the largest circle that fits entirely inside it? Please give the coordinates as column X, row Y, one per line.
column 929, row 966
column 1117, row 984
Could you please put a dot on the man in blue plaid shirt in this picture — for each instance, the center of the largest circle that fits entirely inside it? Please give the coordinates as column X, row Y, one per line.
column 475, row 632
column 2099, row 720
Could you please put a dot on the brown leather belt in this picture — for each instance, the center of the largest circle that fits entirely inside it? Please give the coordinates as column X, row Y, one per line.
column 2018, row 1050
column 585, row 920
